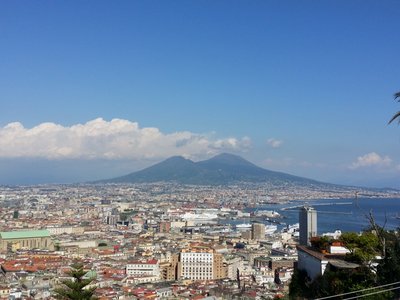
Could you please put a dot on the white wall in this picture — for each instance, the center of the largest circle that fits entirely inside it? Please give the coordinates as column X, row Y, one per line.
column 312, row 265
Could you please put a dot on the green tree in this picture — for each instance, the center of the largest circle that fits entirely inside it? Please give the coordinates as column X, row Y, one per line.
column 396, row 115
column 321, row 243
column 76, row 288
column 388, row 270
column 363, row 248
column 335, row 282
column 299, row 285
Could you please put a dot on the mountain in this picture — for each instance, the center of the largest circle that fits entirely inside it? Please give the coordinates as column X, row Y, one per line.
column 222, row 169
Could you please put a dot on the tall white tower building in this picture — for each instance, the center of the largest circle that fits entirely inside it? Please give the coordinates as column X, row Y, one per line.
column 308, row 224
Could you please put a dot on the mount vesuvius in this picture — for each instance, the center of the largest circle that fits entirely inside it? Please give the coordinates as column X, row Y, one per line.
column 223, row 169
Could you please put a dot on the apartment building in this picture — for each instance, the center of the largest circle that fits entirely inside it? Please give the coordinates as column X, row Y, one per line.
column 149, row 267
column 257, row 231
column 200, row 263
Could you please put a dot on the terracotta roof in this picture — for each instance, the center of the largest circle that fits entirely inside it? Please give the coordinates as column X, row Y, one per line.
column 336, row 259
column 313, row 253
column 144, row 262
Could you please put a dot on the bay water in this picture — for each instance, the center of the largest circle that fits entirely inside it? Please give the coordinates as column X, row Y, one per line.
column 343, row 214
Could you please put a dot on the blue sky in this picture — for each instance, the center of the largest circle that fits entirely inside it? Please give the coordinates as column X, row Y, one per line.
column 304, row 87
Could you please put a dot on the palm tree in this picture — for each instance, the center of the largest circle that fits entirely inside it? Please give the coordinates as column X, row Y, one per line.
column 397, row 115
column 76, row 288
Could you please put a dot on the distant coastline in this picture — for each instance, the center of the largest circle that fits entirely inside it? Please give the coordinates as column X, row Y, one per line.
column 344, row 214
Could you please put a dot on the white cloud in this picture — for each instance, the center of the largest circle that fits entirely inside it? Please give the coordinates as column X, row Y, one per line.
column 116, row 139
column 232, row 143
column 274, row 143
column 371, row 159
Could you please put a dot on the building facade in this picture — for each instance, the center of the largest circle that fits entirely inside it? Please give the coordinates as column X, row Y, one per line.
column 169, row 269
column 164, row 227
column 200, row 263
column 143, row 267
column 257, row 231
column 66, row 230
column 308, row 224
column 30, row 239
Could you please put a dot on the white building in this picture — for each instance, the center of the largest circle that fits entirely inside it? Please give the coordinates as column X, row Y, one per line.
column 233, row 264
column 197, row 266
column 311, row 261
column 338, row 250
column 66, row 230
column 80, row 244
column 315, row 263
column 143, row 267
column 335, row 235
column 138, row 279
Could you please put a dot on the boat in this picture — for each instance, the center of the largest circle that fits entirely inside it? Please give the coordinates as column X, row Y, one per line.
column 335, row 235
column 199, row 217
column 268, row 214
column 292, row 229
column 243, row 226
column 270, row 229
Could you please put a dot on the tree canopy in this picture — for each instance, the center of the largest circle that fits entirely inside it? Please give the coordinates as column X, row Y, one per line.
column 76, row 288
column 363, row 250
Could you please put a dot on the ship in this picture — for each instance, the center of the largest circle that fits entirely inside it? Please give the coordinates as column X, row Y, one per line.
column 270, row 229
column 267, row 213
column 243, row 226
column 199, row 217
column 292, row 229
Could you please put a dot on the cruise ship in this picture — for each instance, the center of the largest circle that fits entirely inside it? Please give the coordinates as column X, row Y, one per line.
column 293, row 229
column 243, row 226
column 199, row 217
column 270, row 229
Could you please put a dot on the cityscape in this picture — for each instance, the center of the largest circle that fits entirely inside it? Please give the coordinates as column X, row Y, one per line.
column 160, row 240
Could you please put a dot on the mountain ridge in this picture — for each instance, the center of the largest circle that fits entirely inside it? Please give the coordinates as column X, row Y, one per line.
column 222, row 169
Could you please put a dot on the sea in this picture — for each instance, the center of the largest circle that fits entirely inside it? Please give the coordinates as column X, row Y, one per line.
column 343, row 214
